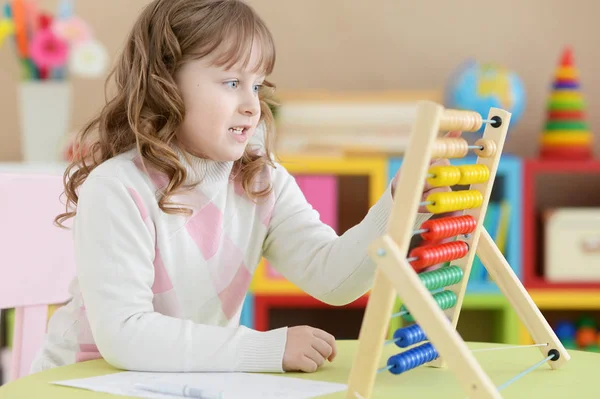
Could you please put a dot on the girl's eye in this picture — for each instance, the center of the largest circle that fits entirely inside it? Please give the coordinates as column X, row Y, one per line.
column 257, row 88
column 233, row 84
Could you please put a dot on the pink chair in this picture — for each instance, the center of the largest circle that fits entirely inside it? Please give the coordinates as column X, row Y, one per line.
column 36, row 258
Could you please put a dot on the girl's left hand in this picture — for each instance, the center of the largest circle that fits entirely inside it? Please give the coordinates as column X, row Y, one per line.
column 428, row 189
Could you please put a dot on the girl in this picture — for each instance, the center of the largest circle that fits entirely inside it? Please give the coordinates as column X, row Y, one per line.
column 177, row 201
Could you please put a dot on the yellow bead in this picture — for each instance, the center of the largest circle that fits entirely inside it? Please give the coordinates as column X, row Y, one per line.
column 443, row 176
column 454, row 201
column 473, row 174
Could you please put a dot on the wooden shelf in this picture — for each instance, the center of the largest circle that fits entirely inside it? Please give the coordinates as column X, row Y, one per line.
column 566, row 299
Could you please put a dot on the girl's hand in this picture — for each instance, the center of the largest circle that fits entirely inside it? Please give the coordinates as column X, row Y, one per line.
column 427, row 189
column 307, row 348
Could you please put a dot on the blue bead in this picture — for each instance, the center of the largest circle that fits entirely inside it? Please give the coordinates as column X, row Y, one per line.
column 407, row 336
column 412, row 358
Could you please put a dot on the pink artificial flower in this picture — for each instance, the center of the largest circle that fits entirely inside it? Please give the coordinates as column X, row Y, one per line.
column 74, row 30
column 48, row 50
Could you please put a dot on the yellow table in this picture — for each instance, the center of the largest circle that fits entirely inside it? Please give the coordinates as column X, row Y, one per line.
column 578, row 379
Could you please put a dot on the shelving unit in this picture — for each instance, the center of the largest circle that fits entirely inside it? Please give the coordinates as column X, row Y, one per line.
column 549, row 185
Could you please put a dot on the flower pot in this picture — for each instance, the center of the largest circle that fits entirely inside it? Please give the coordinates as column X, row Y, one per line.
column 45, row 118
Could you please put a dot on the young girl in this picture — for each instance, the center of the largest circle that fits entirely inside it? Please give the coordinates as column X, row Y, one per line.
column 177, row 201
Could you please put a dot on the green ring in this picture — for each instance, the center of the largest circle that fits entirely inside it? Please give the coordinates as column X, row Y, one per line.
column 566, row 125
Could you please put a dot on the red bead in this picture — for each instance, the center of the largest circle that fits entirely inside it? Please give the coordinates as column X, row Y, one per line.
column 429, row 255
column 448, row 227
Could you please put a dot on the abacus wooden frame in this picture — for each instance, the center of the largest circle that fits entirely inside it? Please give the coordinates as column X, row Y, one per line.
column 395, row 275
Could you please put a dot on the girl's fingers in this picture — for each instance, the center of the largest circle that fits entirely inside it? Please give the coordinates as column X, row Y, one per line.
column 453, row 134
column 423, row 208
column 435, row 162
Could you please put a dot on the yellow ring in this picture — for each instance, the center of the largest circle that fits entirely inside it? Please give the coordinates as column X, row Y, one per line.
column 566, row 73
column 566, row 138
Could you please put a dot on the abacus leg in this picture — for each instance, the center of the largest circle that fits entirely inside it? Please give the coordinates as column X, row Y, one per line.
column 440, row 332
column 371, row 338
column 512, row 288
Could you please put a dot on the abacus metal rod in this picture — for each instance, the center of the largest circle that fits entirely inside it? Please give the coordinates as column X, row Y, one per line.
column 386, row 368
column 420, row 231
column 398, row 314
column 525, row 372
column 495, row 348
column 499, row 348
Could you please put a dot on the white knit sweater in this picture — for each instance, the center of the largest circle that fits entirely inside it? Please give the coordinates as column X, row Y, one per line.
column 162, row 292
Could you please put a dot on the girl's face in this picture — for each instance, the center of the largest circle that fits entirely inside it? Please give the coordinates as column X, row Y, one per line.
column 222, row 108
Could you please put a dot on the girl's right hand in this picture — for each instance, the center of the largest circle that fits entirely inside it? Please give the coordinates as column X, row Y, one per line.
column 307, row 348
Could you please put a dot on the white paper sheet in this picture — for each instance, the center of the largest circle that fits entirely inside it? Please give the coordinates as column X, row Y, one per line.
column 228, row 385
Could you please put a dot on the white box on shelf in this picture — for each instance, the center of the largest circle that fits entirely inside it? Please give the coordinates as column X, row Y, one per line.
column 572, row 245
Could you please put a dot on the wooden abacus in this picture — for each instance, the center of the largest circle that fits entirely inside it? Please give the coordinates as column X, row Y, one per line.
column 405, row 274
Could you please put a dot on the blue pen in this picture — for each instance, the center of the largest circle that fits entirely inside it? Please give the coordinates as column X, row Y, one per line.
column 185, row 391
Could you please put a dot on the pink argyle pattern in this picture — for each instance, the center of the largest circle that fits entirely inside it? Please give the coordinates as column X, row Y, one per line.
column 225, row 260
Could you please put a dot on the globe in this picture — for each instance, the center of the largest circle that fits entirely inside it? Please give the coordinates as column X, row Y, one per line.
column 478, row 87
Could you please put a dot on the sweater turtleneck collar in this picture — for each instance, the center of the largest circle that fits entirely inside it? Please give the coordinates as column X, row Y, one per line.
column 206, row 171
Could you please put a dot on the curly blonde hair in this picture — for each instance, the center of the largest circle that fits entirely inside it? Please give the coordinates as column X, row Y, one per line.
column 147, row 108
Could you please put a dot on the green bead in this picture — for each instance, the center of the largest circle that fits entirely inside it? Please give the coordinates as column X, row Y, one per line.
column 444, row 299
column 440, row 278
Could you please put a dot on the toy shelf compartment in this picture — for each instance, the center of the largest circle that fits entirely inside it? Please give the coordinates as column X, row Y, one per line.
column 502, row 221
column 274, row 311
column 550, row 185
column 565, row 306
column 485, row 317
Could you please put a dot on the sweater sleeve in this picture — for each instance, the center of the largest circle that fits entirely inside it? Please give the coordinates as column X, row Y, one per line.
column 334, row 269
column 114, row 253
